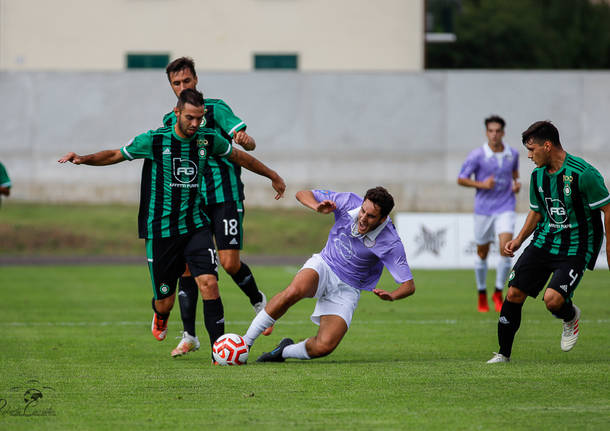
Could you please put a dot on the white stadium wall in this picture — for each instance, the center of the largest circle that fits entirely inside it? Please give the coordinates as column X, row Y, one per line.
column 344, row 131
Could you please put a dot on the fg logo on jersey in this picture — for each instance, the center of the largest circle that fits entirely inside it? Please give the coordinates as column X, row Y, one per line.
column 557, row 210
column 185, row 171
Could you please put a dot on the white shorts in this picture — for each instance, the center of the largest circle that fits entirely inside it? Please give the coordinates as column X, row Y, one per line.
column 488, row 227
column 334, row 296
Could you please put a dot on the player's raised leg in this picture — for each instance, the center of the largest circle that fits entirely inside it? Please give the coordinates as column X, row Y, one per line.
column 303, row 285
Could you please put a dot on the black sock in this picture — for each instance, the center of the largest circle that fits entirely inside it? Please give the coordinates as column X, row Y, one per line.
column 187, row 298
column 161, row 315
column 508, row 324
column 214, row 318
column 566, row 312
column 245, row 280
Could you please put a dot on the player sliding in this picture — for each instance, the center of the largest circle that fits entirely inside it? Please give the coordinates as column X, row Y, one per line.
column 362, row 240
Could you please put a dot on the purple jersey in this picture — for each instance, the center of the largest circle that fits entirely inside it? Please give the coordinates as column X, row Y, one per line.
column 358, row 260
column 483, row 162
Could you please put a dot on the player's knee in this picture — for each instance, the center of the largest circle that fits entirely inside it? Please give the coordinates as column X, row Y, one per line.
column 553, row 302
column 515, row 295
column 208, row 286
column 230, row 263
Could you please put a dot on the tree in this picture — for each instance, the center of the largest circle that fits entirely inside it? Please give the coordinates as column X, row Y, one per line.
column 527, row 34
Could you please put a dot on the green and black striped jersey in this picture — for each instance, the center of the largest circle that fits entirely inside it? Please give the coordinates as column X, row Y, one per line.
column 221, row 178
column 170, row 199
column 569, row 202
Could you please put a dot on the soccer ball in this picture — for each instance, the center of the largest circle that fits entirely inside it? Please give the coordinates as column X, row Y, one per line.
column 230, row 349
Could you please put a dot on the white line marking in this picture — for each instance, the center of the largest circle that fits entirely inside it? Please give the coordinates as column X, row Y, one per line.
column 287, row 322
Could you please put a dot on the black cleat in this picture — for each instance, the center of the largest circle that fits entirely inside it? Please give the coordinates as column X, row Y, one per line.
column 276, row 354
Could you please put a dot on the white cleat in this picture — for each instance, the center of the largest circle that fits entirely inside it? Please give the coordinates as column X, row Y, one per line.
column 261, row 304
column 497, row 358
column 186, row 345
column 571, row 330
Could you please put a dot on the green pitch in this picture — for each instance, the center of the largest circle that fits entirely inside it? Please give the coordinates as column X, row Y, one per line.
column 80, row 337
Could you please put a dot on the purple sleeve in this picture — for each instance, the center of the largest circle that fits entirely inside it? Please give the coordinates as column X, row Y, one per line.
column 395, row 261
column 516, row 162
column 470, row 165
column 341, row 199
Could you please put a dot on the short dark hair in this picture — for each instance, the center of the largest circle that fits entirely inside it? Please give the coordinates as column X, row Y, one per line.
column 382, row 198
column 541, row 131
column 190, row 96
column 179, row 64
column 495, row 119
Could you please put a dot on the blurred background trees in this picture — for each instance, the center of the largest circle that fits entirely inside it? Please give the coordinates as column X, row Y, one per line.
column 519, row 34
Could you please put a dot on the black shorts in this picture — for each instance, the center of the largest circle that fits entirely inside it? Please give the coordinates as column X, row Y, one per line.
column 226, row 221
column 167, row 258
column 534, row 267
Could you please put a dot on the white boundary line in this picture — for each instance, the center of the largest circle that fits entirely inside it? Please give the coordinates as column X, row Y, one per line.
column 285, row 322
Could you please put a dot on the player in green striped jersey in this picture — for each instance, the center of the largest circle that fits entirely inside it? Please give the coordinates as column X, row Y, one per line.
column 223, row 194
column 567, row 197
column 171, row 218
column 5, row 182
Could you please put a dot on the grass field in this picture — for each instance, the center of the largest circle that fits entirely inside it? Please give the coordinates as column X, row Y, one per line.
column 81, row 336
column 33, row 229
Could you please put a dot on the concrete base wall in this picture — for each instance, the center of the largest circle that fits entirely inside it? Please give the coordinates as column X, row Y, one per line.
column 407, row 131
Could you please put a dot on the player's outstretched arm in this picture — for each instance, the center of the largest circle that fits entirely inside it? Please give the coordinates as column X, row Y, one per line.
column 101, row 158
column 531, row 221
column 246, row 141
column 486, row 184
column 307, row 198
column 402, row 291
column 251, row 163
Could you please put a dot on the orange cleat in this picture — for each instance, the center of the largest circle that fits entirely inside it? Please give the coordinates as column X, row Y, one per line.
column 483, row 307
column 159, row 327
column 497, row 299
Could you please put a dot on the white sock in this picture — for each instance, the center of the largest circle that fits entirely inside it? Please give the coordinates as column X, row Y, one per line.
column 296, row 351
column 480, row 273
column 502, row 272
column 261, row 322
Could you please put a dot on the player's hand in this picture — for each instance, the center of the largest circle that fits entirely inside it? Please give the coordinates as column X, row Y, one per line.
column 72, row 158
column 511, row 247
column 489, row 183
column 279, row 186
column 326, row 206
column 246, row 141
column 383, row 294
column 516, row 186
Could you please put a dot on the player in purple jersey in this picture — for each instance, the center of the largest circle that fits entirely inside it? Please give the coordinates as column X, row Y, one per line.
column 361, row 242
column 495, row 167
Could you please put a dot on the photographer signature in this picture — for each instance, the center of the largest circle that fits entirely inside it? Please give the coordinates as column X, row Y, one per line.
column 32, row 400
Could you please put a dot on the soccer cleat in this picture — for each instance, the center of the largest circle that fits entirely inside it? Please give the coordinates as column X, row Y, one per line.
column 276, row 354
column 483, row 307
column 261, row 304
column 159, row 327
column 497, row 299
column 187, row 344
column 497, row 358
column 571, row 330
